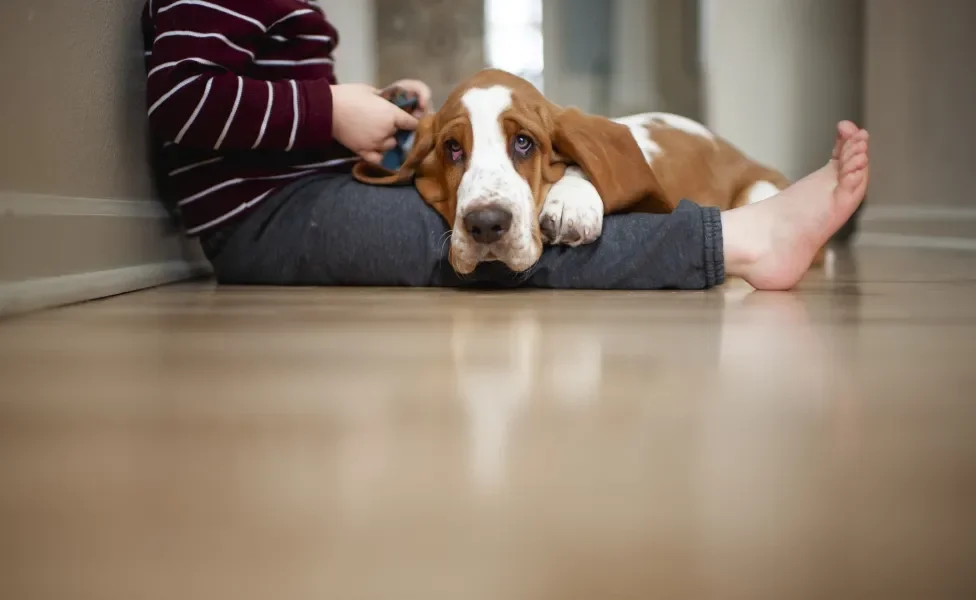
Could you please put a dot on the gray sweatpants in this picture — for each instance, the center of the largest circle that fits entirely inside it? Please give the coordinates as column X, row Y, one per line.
column 333, row 230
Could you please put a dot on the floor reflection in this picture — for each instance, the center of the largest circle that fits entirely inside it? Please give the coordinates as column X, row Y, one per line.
column 494, row 363
column 776, row 437
column 502, row 362
column 431, row 444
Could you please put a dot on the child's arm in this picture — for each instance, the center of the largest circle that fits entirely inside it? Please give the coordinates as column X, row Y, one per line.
column 197, row 98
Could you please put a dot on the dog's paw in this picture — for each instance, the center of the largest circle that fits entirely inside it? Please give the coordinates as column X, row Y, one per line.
column 572, row 213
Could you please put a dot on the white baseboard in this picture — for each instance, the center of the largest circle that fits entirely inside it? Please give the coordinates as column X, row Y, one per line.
column 917, row 213
column 117, row 228
column 34, row 294
column 918, row 227
column 900, row 240
column 45, row 205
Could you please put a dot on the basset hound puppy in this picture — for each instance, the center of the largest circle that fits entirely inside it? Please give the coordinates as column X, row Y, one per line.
column 509, row 170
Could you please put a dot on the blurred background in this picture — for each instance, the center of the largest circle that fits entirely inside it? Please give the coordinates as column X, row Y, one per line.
column 770, row 75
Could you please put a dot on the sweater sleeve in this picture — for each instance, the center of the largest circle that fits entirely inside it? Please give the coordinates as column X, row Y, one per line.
column 198, row 97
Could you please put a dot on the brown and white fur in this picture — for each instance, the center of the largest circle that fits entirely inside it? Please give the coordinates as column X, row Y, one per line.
column 499, row 156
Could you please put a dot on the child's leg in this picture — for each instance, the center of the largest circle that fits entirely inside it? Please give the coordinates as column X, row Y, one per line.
column 770, row 244
column 337, row 231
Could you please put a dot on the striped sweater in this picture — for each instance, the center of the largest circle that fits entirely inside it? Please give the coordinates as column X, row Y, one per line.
column 239, row 102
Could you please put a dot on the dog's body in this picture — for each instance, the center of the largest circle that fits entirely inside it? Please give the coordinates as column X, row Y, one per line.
column 691, row 162
column 509, row 170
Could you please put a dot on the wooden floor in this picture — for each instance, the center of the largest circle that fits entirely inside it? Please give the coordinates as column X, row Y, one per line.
column 198, row 443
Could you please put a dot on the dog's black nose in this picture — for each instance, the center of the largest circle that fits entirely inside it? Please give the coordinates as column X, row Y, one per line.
column 487, row 225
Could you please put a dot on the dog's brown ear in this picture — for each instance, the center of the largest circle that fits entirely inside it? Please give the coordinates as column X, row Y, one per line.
column 420, row 167
column 609, row 155
column 374, row 174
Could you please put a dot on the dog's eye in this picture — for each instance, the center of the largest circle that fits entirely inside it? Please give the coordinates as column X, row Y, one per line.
column 454, row 150
column 523, row 145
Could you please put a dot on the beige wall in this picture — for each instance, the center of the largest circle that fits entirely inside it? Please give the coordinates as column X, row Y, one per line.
column 779, row 73
column 356, row 55
column 562, row 86
column 631, row 84
column 676, row 56
column 921, row 101
column 72, row 109
column 440, row 42
column 920, row 98
column 77, row 214
column 634, row 80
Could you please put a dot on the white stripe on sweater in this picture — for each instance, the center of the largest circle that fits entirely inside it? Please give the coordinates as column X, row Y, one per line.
column 175, row 89
column 173, row 63
column 213, row 6
column 235, row 181
column 196, row 112
column 228, row 215
column 294, row 117
column 267, row 115
column 266, row 62
column 233, row 113
column 297, row 13
column 192, row 166
column 209, row 191
column 197, row 34
column 316, row 38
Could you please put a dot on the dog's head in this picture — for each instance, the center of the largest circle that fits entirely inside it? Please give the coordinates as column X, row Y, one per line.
column 486, row 160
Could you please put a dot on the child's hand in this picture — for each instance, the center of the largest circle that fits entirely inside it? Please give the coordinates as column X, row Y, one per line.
column 421, row 89
column 365, row 122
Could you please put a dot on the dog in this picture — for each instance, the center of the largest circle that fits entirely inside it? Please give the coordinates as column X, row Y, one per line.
column 509, row 170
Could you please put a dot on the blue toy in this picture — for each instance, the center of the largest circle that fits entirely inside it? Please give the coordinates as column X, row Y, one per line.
column 407, row 101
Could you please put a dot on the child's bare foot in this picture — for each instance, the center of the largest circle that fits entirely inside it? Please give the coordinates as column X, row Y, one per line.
column 771, row 243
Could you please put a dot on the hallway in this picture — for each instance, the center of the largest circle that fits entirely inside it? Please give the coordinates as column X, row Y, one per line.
column 189, row 442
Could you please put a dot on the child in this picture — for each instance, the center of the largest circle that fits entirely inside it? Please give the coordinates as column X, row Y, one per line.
column 257, row 137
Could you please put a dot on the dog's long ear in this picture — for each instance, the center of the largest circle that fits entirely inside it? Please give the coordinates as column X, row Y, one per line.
column 420, row 167
column 614, row 163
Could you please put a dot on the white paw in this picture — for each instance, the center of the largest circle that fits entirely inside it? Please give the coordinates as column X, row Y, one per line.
column 572, row 214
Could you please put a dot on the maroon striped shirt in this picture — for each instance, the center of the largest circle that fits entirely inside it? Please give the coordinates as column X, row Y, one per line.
column 239, row 101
